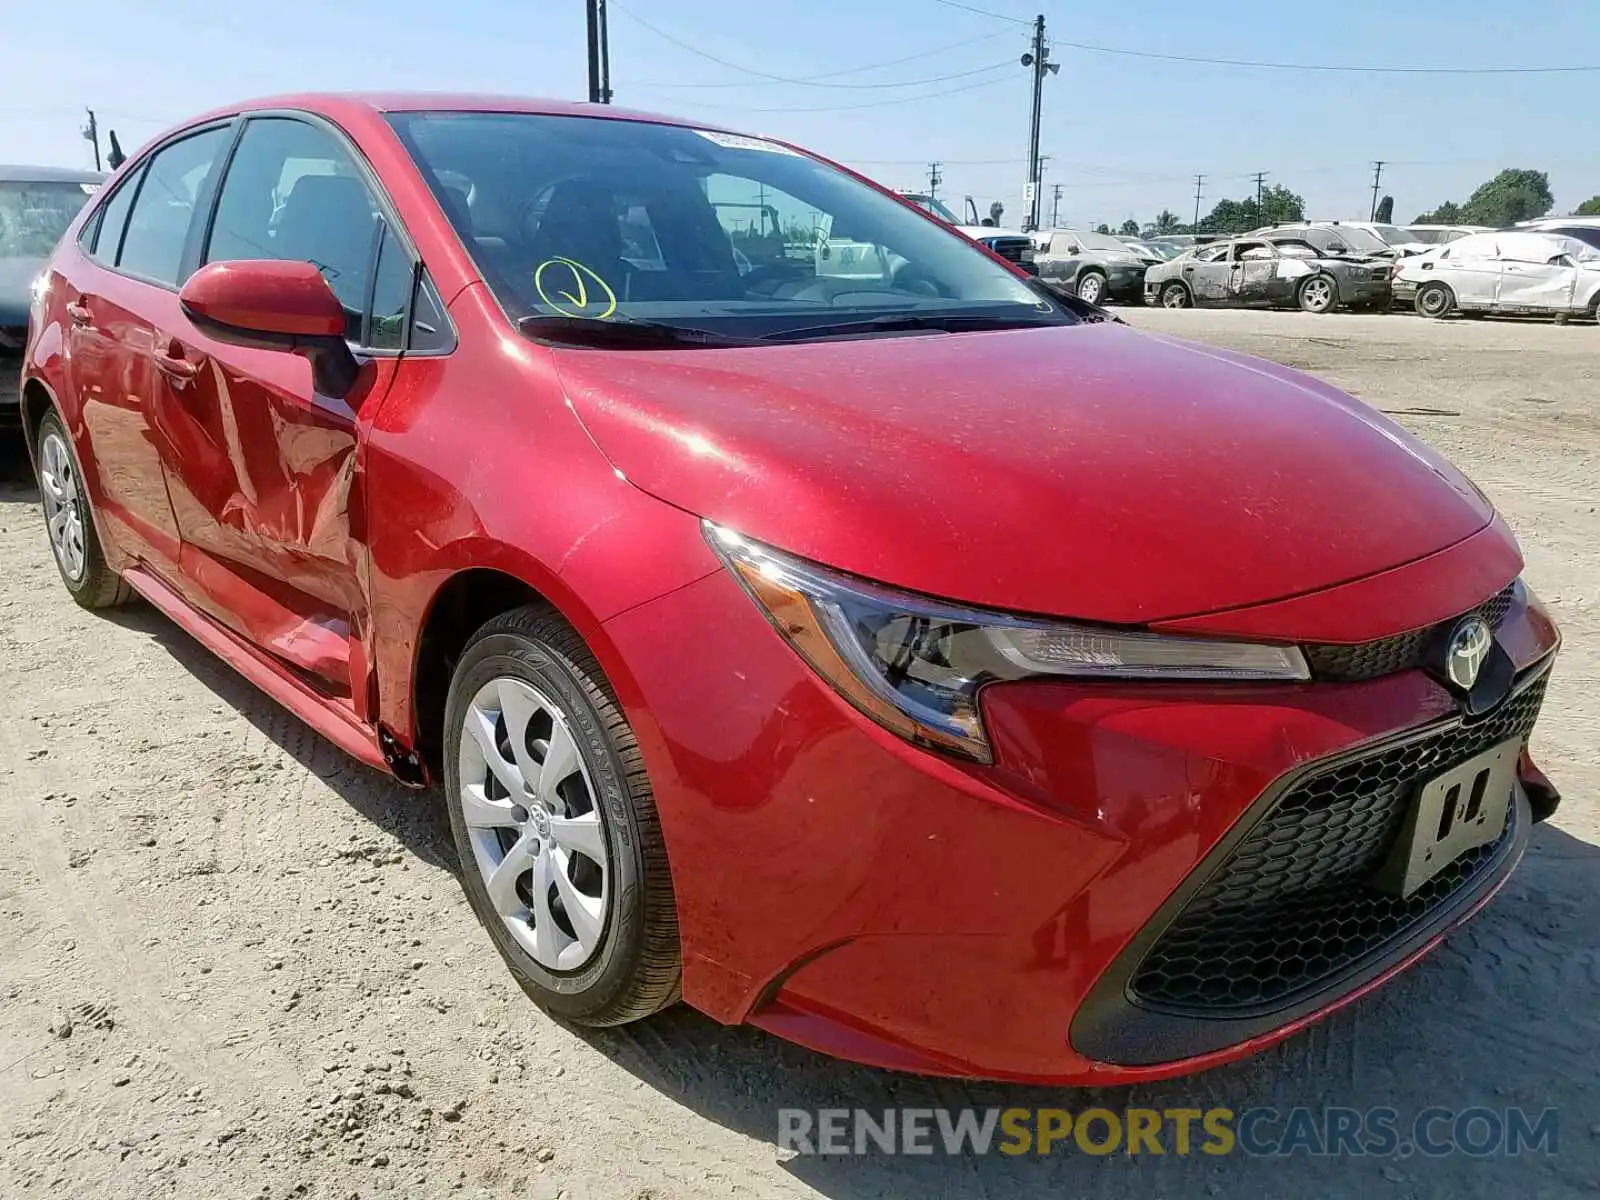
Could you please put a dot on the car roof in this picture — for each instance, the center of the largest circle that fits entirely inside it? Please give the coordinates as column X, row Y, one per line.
column 13, row 173
column 334, row 103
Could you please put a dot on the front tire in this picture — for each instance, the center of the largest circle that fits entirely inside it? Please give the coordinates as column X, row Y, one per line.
column 1175, row 295
column 1435, row 300
column 562, row 857
column 1091, row 287
column 1318, row 294
column 70, row 521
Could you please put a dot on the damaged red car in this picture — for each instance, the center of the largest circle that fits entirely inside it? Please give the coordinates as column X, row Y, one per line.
column 802, row 613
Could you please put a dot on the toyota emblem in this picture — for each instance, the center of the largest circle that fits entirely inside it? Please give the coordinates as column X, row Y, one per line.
column 1469, row 647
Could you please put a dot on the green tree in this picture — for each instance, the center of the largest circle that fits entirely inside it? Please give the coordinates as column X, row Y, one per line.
column 1516, row 194
column 1448, row 213
column 1102, row 228
column 1589, row 208
column 1385, row 211
column 1278, row 203
column 1130, row 227
column 1167, row 221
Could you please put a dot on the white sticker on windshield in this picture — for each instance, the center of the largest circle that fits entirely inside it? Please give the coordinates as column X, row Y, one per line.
column 738, row 141
column 89, row 189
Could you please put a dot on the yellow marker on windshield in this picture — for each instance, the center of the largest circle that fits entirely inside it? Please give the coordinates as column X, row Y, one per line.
column 576, row 302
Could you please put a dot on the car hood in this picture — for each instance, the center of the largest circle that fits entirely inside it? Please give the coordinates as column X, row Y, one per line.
column 1086, row 471
column 16, row 282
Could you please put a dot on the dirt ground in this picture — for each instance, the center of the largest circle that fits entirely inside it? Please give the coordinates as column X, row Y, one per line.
column 235, row 963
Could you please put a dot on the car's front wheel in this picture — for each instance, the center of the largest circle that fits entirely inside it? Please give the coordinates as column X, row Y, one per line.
column 555, row 824
column 1091, row 287
column 1318, row 294
column 70, row 521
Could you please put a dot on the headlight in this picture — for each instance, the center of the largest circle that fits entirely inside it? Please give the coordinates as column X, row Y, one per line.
column 915, row 665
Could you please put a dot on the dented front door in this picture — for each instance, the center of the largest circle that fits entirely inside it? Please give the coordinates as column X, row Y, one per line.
column 264, row 474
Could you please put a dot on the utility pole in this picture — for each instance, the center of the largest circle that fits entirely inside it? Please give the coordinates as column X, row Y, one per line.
column 1261, row 178
column 1039, row 59
column 1055, row 205
column 91, row 133
column 934, row 180
column 1199, row 184
column 1377, row 174
column 599, row 54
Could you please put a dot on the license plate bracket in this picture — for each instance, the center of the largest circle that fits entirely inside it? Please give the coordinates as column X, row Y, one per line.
column 1453, row 812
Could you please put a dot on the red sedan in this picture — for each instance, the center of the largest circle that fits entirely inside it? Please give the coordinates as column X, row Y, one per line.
column 803, row 612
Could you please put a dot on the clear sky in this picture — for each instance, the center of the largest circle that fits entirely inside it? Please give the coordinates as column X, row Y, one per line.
column 1125, row 135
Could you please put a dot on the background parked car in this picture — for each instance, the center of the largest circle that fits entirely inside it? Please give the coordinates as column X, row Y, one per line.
column 1092, row 266
column 36, row 205
column 1144, row 248
column 1438, row 235
column 1511, row 271
column 1282, row 271
column 1332, row 238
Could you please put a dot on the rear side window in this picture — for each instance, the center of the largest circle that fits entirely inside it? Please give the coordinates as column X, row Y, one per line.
column 107, row 232
column 292, row 192
column 158, row 226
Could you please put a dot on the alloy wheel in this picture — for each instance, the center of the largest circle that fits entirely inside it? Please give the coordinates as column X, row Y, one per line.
column 538, row 839
column 1090, row 289
column 63, row 505
column 1318, row 294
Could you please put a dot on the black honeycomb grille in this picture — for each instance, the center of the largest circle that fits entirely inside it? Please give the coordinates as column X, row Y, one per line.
column 1403, row 652
column 1291, row 905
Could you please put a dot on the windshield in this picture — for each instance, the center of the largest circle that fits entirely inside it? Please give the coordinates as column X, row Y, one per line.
column 34, row 215
column 1394, row 235
column 1432, row 237
column 936, row 207
column 1360, row 240
column 592, row 219
column 1099, row 241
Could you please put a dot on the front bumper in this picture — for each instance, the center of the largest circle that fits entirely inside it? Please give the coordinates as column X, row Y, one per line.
column 1404, row 289
column 1125, row 283
column 850, row 892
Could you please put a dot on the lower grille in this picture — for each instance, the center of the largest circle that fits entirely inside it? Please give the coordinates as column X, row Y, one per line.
column 1291, row 906
column 1403, row 652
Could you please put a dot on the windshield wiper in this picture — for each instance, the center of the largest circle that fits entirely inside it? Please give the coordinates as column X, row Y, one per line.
column 908, row 322
column 621, row 333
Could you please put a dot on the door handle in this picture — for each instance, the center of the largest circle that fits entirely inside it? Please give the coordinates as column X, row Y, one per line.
column 175, row 365
column 79, row 313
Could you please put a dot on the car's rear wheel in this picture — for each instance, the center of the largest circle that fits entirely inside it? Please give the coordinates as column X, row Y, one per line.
column 1091, row 287
column 555, row 824
column 70, row 521
column 1435, row 300
column 1175, row 295
column 1318, row 294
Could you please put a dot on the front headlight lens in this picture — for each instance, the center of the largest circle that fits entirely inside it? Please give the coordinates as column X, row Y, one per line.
column 915, row 665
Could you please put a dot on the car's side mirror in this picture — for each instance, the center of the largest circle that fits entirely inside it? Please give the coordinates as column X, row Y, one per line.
column 268, row 304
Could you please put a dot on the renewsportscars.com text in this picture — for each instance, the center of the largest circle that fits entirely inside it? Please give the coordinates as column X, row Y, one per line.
column 1258, row 1132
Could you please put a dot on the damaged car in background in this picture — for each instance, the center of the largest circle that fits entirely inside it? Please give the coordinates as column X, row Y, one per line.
column 1091, row 266
column 1281, row 271
column 36, row 206
column 1512, row 272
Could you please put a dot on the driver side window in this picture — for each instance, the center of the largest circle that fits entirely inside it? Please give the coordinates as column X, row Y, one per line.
column 292, row 192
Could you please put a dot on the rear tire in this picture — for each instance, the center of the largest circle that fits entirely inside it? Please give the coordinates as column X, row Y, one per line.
column 1435, row 300
column 69, row 521
column 1176, row 295
column 1091, row 287
column 543, row 773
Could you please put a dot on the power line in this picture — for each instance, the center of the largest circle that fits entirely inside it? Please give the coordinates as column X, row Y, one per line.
column 1343, row 67
column 812, row 79
column 803, row 83
column 934, row 179
column 971, row 87
column 983, row 12
column 1377, row 175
